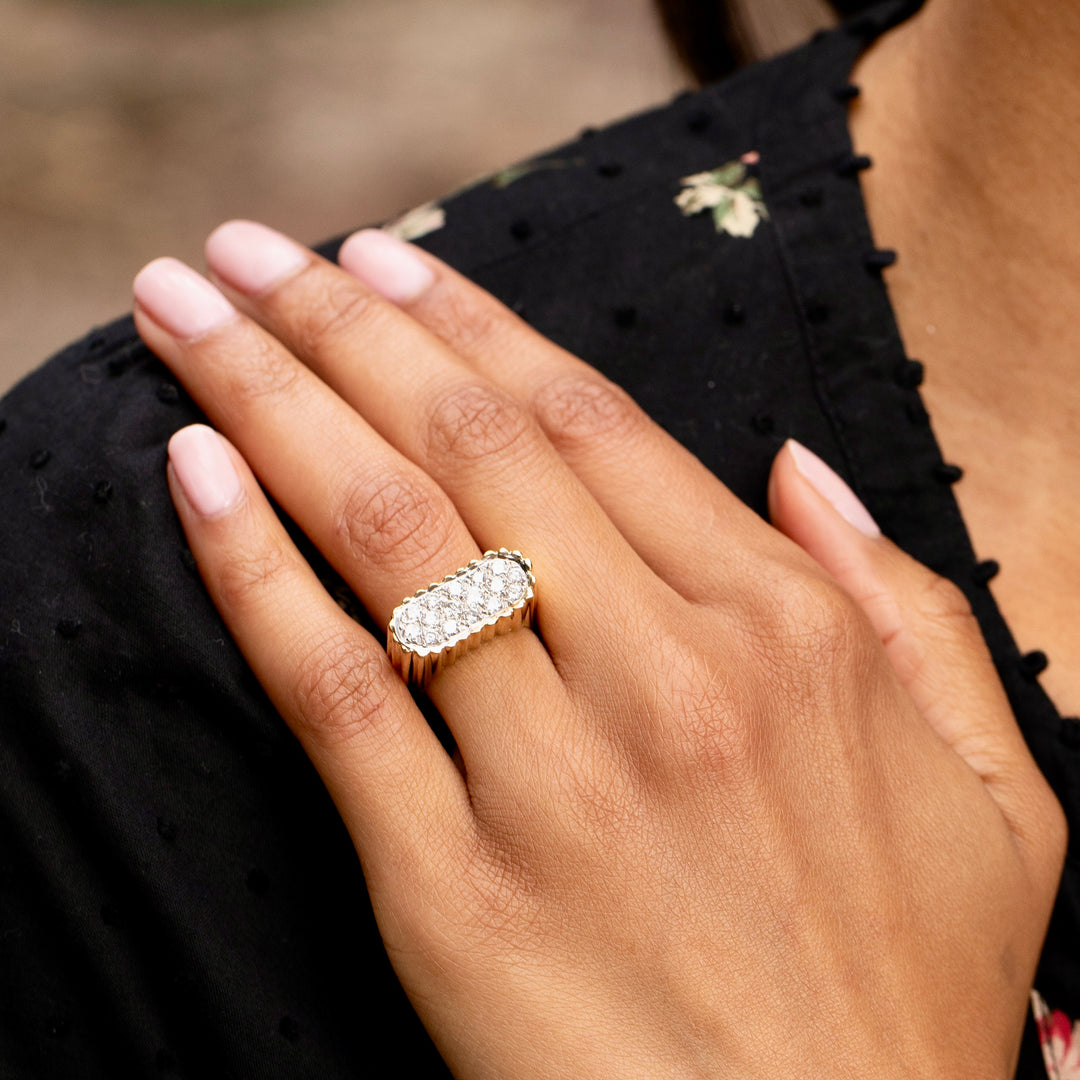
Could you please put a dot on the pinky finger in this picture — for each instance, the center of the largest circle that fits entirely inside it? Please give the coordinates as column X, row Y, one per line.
column 401, row 797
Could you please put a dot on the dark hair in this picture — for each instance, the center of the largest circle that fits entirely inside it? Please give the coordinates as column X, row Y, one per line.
column 711, row 37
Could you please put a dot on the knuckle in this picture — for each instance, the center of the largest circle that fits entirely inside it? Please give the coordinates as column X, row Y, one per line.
column 713, row 713
column 1053, row 825
column 343, row 691
column 337, row 308
column 473, row 421
column 944, row 601
column 1057, row 830
column 811, row 642
column 245, row 577
column 399, row 522
column 496, row 894
column 577, row 409
column 469, row 324
column 262, row 368
column 593, row 794
column 820, row 621
column 480, row 891
column 697, row 714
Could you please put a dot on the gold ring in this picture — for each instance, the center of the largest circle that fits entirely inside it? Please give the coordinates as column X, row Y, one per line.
column 440, row 623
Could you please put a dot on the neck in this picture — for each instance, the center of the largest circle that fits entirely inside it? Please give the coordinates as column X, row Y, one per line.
column 972, row 112
column 998, row 78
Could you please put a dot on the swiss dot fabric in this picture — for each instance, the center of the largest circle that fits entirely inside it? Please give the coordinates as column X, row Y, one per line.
column 178, row 896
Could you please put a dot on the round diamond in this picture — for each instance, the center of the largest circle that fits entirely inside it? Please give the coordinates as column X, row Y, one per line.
column 463, row 605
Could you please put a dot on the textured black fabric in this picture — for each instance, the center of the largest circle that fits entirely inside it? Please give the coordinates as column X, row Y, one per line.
column 177, row 893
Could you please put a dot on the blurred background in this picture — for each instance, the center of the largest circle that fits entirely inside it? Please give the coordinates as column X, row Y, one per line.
column 130, row 128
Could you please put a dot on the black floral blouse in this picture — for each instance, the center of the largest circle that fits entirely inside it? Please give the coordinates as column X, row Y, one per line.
column 177, row 893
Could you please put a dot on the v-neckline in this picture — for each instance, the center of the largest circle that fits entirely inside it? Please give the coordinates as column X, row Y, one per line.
column 866, row 383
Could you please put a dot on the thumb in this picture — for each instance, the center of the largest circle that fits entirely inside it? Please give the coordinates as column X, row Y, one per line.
column 924, row 622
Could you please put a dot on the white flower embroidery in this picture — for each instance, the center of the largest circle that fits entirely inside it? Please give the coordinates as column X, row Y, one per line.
column 742, row 219
column 424, row 219
column 730, row 193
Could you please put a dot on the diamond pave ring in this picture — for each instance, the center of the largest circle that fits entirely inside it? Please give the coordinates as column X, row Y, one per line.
column 436, row 625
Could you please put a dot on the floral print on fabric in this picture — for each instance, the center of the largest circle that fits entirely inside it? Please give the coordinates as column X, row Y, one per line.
column 412, row 225
column 429, row 218
column 505, row 177
column 730, row 192
column 1060, row 1039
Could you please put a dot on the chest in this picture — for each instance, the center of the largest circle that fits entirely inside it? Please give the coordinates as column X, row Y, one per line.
column 1019, row 500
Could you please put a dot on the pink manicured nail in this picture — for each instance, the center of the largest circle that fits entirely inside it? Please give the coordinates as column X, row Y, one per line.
column 205, row 470
column 388, row 265
column 253, row 258
column 832, row 489
column 180, row 300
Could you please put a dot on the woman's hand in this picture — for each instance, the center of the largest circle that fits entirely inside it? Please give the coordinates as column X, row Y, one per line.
column 744, row 804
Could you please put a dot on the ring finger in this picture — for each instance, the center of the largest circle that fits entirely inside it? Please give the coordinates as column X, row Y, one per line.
column 326, row 675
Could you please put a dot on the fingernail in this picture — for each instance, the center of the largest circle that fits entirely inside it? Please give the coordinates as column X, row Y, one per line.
column 205, row 470
column 253, row 258
column 388, row 265
column 832, row 489
column 180, row 300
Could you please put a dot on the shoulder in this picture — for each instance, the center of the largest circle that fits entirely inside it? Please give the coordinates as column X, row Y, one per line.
column 634, row 171
column 656, row 249
column 705, row 234
column 663, row 236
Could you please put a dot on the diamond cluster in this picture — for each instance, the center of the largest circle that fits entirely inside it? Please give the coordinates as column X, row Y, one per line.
column 479, row 594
